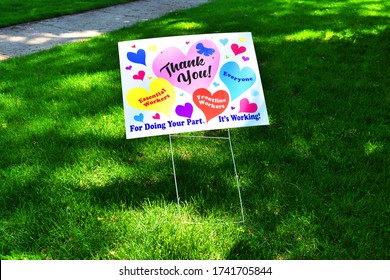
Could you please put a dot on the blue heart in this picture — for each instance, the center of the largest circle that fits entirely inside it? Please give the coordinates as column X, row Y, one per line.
column 224, row 41
column 139, row 118
column 236, row 80
column 138, row 57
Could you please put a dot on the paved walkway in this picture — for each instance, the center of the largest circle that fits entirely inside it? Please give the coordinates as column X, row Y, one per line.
column 32, row 37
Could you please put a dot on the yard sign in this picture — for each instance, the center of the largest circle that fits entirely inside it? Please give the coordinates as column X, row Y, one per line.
column 190, row 83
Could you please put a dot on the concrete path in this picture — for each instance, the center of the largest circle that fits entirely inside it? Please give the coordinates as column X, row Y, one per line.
column 32, row 37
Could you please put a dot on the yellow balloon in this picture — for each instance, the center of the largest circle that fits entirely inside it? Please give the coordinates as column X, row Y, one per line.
column 160, row 98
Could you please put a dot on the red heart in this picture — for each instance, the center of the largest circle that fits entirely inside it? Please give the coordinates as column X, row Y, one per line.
column 237, row 50
column 140, row 76
column 211, row 105
column 156, row 116
column 246, row 107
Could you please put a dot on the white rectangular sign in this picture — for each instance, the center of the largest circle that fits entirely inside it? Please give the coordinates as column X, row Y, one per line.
column 190, row 83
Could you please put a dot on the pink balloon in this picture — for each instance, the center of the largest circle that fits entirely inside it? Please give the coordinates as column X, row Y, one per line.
column 188, row 72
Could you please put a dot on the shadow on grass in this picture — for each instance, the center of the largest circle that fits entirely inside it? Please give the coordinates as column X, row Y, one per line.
column 313, row 183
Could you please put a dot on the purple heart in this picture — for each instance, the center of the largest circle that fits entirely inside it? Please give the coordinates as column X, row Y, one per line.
column 245, row 58
column 184, row 111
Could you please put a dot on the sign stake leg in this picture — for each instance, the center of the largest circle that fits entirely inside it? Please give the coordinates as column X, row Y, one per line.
column 234, row 166
column 174, row 174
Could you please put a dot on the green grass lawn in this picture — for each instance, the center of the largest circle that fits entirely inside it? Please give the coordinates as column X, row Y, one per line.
column 20, row 11
column 315, row 183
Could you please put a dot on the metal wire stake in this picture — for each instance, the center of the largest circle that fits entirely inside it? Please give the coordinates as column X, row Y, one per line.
column 174, row 174
column 238, row 182
column 234, row 165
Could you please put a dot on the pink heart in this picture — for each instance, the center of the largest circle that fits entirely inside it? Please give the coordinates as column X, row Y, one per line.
column 156, row 116
column 140, row 76
column 237, row 50
column 246, row 107
column 188, row 72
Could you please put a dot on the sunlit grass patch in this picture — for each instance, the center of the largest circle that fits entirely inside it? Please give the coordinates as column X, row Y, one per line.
column 373, row 147
column 186, row 25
